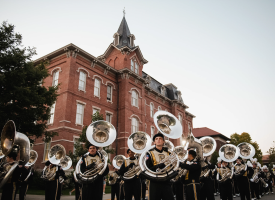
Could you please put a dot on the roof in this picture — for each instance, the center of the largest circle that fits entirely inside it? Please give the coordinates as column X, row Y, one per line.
column 124, row 34
column 204, row 131
column 265, row 158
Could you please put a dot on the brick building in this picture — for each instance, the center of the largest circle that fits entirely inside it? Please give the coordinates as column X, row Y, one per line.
column 204, row 131
column 113, row 84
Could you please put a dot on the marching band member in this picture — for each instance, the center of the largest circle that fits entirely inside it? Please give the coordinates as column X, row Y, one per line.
column 52, row 186
column 132, row 187
column 92, row 190
column 115, row 187
column 226, row 185
column 9, row 189
column 191, row 179
column 158, row 190
column 23, row 185
column 207, row 189
column 268, row 178
column 254, row 187
column 242, row 179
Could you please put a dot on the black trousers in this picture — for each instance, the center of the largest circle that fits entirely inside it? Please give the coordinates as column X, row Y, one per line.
column 235, row 185
column 179, row 191
column 255, row 190
column 8, row 191
column 132, row 188
column 92, row 190
column 23, row 188
column 115, row 191
column 143, row 189
column 207, row 189
column 269, row 188
column 77, row 190
column 244, row 188
column 122, row 192
column 52, row 190
column 160, row 191
column 226, row 190
column 192, row 191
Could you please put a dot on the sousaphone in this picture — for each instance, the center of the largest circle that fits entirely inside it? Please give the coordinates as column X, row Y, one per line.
column 247, row 151
column 10, row 138
column 101, row 134
column 117, row 162
column 170, row 127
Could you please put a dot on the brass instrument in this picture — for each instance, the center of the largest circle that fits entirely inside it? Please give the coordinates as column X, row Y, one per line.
column 170, row 127
column 208, row 146
column 55, row 155
column 138, row 142
column 66, row 164
column 101, row 134
column 31, row 162
column 10, row 138
column 225, row 173
column 168, row 144
column 247, row 151
column 242, row 167
column 182, row 155
column 117, row 162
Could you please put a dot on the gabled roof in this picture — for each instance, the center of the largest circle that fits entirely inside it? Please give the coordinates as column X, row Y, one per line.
column 112, row 47
column 204, row 131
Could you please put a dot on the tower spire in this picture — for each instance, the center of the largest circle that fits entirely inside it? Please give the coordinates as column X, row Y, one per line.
column 124, row 12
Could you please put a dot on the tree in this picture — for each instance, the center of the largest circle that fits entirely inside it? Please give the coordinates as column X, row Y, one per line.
column 271, row 153
column 214, row 157
column 23, row 97
column 245, row 137
column 81, row 146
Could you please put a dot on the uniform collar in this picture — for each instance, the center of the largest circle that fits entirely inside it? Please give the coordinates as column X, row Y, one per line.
column 96, row 154
column 160, row 151
column 132, row 158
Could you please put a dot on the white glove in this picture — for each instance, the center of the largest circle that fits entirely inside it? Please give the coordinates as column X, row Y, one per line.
column 251, row 180
column 188, row 162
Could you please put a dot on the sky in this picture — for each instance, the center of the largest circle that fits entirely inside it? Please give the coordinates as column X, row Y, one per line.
column 220, row 54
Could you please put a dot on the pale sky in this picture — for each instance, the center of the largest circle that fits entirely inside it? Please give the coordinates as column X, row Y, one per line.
column 220, row 54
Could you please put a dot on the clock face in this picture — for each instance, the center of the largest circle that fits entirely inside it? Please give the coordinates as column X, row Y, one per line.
column 124, row 41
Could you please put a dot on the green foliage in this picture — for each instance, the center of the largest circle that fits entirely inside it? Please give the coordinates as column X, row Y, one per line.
column 245, row 137
column 23, row 98
column 81, row 146
column 214, row 157
column 271, row 153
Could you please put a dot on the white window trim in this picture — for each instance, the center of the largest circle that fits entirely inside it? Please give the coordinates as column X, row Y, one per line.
column 84, row 105
column 133, row 115
column 132, row 124
column 152, row 114
column 99, row 88
column 96, row 76
column 111, row 101
column 85, row 70
column 95, row 107
column 136, row 99
column 84, row 83
column 53, row 114
column 113, row 85
column 56, row 68
column 54, row 77
column 111, row 116
column 136, row 91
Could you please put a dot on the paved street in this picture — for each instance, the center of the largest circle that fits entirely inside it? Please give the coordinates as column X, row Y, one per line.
column 108, row 197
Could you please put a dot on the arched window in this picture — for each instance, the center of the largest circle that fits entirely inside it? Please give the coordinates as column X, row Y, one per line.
column 151, row 109
column 82, row 81
column 134, row 125
column 97, row 88
column 134, row 98
column 55, row 77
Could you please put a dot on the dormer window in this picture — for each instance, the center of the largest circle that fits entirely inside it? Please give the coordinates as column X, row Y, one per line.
column 163, row 90
column 116, row 39
column 132, row 38
column 134, row 66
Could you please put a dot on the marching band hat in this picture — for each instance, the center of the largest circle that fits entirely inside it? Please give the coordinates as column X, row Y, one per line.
column 92, row 145
column 193, row 153
column 219, row 160
column 158, row 135
column 240, row 158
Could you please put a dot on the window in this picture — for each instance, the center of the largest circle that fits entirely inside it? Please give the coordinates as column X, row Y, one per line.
column 95, row 110
column 159, row 108
column 75, row 141
column 97, row 88
column 47, row 147
column 134, row 125
column 134, row 98
column 108, row 117
column 151, row 109
column 134, row 66
column 50, row 121
column 79, row 114
column 55, row 77
column 82, row 81
column 109, row 93
column 152, row 132
column 180, row 119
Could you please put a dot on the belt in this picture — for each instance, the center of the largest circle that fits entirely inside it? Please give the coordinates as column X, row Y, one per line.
column 193, row 183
